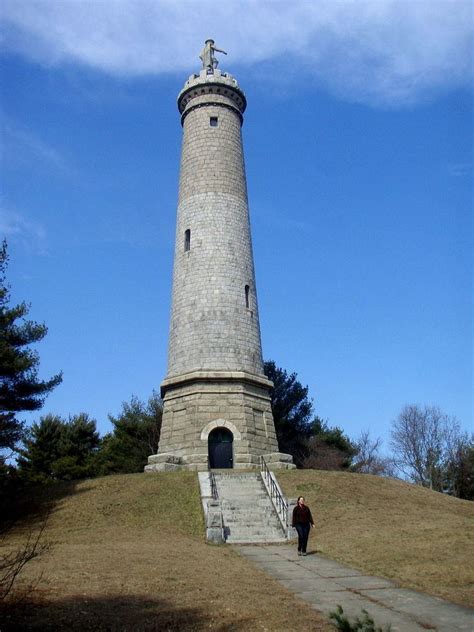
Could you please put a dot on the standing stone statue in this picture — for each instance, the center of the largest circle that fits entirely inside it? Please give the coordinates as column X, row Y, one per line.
column 209, row 61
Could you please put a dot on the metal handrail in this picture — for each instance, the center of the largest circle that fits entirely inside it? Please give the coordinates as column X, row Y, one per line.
column 215, row 500
column 280, row 503
column 214, row 492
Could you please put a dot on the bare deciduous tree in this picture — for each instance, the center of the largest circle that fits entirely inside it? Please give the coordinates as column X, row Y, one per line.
column 368, row 459
column 321, row 456
column 12, row 562
column 424, row 441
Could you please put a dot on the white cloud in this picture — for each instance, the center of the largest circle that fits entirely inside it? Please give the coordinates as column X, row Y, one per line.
column 374, row 51
column 458, row 170
column 14, row 226
column 21, row 146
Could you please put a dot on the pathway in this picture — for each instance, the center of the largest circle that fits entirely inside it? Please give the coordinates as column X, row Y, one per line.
column 325, row 584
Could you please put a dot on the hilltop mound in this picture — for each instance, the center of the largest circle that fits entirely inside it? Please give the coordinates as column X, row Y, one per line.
column 128, row 553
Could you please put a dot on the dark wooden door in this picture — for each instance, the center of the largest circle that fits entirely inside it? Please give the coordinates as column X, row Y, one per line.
column 220, row 449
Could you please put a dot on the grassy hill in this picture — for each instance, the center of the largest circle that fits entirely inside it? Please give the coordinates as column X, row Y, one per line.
column 128, row 553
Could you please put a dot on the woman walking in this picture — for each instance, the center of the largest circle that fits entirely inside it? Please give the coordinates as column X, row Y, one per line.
column 302, row 521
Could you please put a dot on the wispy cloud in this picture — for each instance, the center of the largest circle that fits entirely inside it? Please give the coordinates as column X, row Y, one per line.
column 390, row 52
column 16, row 227
column 460, row 169
column 21, row 145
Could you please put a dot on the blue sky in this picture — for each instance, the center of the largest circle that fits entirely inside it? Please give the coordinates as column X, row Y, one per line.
column 358, row 146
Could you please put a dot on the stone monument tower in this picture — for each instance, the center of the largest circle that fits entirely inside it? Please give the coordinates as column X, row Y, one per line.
column 216, row 397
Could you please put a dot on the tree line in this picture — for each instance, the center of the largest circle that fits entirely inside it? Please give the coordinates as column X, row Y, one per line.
column 428, row 447
column 70, row 449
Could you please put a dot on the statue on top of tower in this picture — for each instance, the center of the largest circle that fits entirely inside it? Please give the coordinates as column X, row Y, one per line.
column 209, row 61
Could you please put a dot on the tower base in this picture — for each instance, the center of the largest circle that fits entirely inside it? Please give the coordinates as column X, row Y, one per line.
column 217, row 419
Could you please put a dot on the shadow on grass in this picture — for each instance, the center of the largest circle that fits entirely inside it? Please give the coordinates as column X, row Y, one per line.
column 27, row 505
column 24, row 512
column 114, row 614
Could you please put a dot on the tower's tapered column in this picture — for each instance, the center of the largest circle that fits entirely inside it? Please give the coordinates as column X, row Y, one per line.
column 217, row 409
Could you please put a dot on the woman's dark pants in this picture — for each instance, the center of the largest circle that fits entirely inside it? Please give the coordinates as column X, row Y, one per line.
column 303, row 533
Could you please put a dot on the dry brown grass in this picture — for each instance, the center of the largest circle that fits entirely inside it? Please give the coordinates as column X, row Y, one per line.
column 421, row 539
column 128, row 553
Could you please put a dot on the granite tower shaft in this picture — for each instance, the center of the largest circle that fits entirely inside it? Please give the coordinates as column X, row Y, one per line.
column 217, row 409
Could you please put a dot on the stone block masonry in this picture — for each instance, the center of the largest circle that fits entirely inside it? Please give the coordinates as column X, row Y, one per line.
column 214, row 321
column 215, row 381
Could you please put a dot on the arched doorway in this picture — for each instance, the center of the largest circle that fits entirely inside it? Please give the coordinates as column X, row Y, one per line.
column 220, row 448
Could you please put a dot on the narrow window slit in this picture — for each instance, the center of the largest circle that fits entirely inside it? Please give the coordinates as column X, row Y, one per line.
column 247, row 296
column 187, row 240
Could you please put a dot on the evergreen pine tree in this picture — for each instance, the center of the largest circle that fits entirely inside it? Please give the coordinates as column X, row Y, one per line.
column 20, row 387
column 42, row 448
column 299, row 433
column 135, row 436
column 78, row 448
column 55, row 449
column 292, row 410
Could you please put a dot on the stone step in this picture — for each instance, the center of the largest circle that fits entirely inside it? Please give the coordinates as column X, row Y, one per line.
column 257, row 494
column 240, row 490
column 244, row 500
column 247, row 503
column 247, row 499
column 253, row 509
column 255, row 485
column 263, row 514
column 248, row 511
column 237, row 481
column 230, row 480
column 237, row 475
column 237, row 524
column 241, row 485
column 226, row 493
column 222, row 491
column 249, row 515
column 247, row 493
column 251, row 523
column 256, row 541
column 252, row 533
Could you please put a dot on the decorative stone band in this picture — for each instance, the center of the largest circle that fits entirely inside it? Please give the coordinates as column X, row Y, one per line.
column 212, row 103
column 215, row 88
column 215, row 376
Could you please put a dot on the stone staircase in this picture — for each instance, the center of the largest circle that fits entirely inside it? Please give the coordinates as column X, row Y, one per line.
column 247, row 510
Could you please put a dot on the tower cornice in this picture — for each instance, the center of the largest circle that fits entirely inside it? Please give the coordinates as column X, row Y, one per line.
column 217, row 88
column 215, row 376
